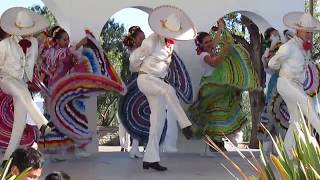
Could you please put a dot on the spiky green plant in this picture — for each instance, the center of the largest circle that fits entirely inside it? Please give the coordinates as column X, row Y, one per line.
column 302, row 164
column 6, row 175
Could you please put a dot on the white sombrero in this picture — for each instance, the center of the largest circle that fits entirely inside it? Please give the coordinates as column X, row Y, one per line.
column 172, row 22
column 301, row 21
column 22, row 21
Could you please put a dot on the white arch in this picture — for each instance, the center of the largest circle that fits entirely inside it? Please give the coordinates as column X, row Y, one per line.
column 144, row 8
column 260, row 21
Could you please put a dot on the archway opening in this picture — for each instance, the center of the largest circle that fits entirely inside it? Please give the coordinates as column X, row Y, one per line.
column 111, row 36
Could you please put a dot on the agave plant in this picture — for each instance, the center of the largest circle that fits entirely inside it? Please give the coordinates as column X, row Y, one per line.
column 303, row 162
column 6, row 175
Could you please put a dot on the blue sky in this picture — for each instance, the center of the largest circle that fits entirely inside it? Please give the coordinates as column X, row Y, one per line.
column 128, row 16
column 133, row 16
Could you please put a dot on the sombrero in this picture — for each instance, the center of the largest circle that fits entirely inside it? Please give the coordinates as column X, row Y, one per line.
column 301, row 21
column 172, row 22
column 22, row 21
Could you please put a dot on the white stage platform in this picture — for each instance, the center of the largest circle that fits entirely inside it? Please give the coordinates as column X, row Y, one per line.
column 110, row 165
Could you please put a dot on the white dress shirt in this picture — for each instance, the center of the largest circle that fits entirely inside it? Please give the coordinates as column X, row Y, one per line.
column 153, row 57
column 291, row 59
column 13, row 62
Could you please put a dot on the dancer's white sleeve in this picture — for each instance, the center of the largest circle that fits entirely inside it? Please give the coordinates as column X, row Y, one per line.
column 138, row 55
column 2, row 54
column 276, row 61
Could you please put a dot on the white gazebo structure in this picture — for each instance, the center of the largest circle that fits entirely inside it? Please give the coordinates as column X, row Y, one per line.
column 76, row 15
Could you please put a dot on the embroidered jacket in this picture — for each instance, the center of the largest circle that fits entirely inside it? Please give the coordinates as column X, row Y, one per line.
column 13, row 62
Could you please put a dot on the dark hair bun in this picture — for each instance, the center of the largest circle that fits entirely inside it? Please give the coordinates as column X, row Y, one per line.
column 132, row 33
column 56, row 33
column 268, row 32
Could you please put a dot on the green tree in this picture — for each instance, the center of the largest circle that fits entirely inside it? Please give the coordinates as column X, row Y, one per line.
column 43, row 10
column 111, row 40
column 316, row 37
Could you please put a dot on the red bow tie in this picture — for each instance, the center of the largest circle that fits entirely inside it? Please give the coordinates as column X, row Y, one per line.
column 24, row 44
column 307, row 45
column 170, row 42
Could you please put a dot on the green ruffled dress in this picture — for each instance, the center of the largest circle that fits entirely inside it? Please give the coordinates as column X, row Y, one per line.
column 217, row 111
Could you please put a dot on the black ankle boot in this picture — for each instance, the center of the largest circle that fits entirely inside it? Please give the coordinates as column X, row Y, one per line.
column 187, row 132
column 220, row 144
column 44, row 127
column 154, row 165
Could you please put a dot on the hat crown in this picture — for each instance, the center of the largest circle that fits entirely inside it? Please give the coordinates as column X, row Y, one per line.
column 24, row 20
column 172, row 22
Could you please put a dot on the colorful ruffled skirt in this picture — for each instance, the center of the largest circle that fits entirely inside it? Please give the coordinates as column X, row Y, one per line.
column 218, row 111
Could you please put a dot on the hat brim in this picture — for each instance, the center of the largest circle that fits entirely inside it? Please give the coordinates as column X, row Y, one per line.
column 291, row 20
column 187, row 30
column 8, row 20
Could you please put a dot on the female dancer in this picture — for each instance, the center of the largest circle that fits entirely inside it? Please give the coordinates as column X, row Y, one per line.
column 58, row 60
column 56, row 65
column 225, row 75
column 132, row 41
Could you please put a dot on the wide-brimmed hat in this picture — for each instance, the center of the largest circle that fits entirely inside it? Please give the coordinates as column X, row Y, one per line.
column 301, row 21
column 22, row 21
column 172, row 22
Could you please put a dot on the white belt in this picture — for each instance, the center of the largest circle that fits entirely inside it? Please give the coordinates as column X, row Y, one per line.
column 142, row 72
column 161, row 60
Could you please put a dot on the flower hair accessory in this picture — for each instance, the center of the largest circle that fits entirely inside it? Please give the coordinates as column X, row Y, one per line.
column 54, row 33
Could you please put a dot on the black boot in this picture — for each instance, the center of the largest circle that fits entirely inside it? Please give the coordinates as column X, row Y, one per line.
column 220, row 144
column 187, row 132
column 44, row 127
column 154, row 165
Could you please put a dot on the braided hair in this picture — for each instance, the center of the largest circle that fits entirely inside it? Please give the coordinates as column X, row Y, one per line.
column 129, row 40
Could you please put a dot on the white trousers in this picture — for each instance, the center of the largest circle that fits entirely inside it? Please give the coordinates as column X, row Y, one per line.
column 22, row 103
column 124, row 137
column 39, row 102
column 159, row 95
column 293, row 94
column 268, row 77
column 236, row 137
column 170, row 141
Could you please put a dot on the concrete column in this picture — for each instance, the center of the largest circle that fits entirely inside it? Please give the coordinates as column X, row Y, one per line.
column 91, row 111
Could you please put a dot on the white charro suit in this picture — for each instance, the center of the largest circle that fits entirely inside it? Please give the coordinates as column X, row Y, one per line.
column 16, row 68
column 291, row 59
column 152, row 60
